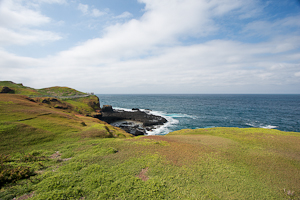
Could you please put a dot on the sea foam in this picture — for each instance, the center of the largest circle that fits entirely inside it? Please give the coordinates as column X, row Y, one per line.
column 161, row 129
column 259, row 125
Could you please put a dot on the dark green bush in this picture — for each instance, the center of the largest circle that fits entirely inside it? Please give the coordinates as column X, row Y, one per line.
column 10, row 173
column 31, row 158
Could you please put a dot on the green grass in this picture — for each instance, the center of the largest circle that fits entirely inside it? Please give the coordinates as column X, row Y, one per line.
column 24, row 123
column 60, row 91
column 78, row 157
column 51, row 91
column 85, row 105
column 19, row 88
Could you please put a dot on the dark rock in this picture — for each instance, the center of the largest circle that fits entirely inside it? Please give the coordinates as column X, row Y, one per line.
column 97, row 115
column 7, row 90
column 61, row 106
column 54, row 100
column 131, row 127
column 152, row 123
column 146, row 120
column 107, row 108
column 135, row 109
column 46, row 101
column 32, row 100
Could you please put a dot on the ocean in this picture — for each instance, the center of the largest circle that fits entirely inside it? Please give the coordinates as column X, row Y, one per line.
column 193, row 111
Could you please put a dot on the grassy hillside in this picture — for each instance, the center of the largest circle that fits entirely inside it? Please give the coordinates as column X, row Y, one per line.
column 51, row 91
column 83, row 105
column 30, row 133
column 19, row 88
column 24, row 122
column 86, row 105
column 54, row 154
column 60, row 91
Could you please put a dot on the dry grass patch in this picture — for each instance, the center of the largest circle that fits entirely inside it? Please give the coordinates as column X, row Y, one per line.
column 143, row 174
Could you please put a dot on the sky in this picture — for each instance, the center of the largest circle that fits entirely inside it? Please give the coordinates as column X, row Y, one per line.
column 152, row 46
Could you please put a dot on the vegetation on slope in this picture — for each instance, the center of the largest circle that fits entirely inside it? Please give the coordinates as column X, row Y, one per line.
column 19, row 88
column 60, row 91
column 85, row 105
column 30, row 133
column 47, row 97
column 51, row 91
column 49, row 153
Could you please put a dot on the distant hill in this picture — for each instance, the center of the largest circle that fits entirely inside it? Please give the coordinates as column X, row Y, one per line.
column 56, row 91
column 60, row 91
column 56, row 97
column 18, row 88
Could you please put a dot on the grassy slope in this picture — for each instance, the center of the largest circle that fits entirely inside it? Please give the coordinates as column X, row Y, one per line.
column 19, row 88
column 51, row 91
column 85, row 105
column 60, row 91
column 25, row 123
column 30, row 133
column 217, row 163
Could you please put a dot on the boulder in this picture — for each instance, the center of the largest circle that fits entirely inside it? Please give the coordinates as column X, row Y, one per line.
column 7, row 90
column 107, row 108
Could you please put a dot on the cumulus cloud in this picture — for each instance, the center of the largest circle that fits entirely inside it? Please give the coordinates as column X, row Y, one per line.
column 147, row 55
column 13, row 15
column 84, row 8
column 17, row 22
column 26, row 36
column 51, row 1
column 124, row 15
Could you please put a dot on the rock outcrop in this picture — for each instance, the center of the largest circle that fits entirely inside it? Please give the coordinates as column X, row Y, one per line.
column 6, row 90
column 107, row 108
column 136, row 122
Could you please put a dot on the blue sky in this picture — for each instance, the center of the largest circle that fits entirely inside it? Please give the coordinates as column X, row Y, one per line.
column 152, row 46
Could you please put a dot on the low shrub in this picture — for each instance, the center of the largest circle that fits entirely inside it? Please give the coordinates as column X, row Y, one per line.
column 31, row 158
column 9, row 173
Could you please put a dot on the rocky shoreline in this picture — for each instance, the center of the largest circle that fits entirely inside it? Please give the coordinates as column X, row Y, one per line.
column 135, row 122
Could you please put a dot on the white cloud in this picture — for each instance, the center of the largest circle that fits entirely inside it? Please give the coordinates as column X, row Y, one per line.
column 52, row 1
column 91, row 12
column 146, row 55
column 15, row 62
column 97, row 13
column 124, row 15
column 13, row 15
column 162, row 24
column 26, row 36
column 17, row 22
column 83, row 8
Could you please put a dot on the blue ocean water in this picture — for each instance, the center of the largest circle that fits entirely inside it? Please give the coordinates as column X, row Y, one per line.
column 280, row 112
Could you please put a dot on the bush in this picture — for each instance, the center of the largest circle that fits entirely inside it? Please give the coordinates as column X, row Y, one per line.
column 31, row 158
column 9, row 173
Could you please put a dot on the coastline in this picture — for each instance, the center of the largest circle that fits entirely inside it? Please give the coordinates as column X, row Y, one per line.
column 134, row 121
column 279, row 112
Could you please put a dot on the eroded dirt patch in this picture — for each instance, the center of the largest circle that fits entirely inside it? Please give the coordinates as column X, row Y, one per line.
column 25, row 196
column 55, row 155
column 143, row 174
